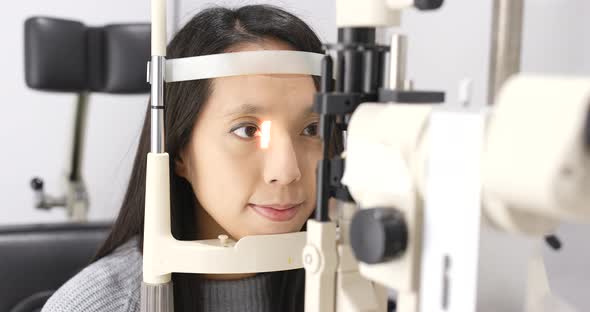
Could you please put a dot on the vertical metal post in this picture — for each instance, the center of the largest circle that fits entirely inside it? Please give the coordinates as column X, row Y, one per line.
column 157, row 292
column 398, row 61
column 507, row 21
column 78, row 139
column 157, row 110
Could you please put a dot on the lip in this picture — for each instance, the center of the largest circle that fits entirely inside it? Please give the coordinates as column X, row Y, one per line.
column 277, row 212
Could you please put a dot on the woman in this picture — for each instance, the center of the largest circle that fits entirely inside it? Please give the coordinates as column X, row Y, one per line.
column 221, row 181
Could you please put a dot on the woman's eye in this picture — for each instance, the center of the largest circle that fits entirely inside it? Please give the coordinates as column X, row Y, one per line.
column 311, row 130
column 246, row 131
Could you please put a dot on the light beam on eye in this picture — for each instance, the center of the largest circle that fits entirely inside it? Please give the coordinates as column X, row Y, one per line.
column 265, row 134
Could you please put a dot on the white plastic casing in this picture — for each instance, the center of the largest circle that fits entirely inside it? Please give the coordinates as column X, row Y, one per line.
column 320, row 261
column 536, row 164
column 158, row 33
column 367, row 13
column 383, row 160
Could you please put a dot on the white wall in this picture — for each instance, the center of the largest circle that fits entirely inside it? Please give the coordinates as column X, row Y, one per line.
column 557, row 37
column 445, row 47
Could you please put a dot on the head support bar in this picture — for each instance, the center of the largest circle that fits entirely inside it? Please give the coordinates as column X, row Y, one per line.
column 243, row 63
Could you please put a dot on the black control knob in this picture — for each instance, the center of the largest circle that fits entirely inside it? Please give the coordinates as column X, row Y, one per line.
column 426, row 5
column 37, row 184
column 378, row 235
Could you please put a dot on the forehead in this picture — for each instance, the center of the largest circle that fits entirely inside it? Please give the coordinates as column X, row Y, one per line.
column 270, row 92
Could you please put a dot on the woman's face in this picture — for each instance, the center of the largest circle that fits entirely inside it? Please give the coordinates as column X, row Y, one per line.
column 245, row 189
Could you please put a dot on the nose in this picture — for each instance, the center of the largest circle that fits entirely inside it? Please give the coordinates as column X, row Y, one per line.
column 281, row 166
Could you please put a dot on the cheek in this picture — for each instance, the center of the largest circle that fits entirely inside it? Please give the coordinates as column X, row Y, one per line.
column 223, row 174
column 309, row 153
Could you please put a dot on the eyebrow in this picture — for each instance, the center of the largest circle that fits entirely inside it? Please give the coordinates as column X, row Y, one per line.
column 251, row 109
column 246, row 109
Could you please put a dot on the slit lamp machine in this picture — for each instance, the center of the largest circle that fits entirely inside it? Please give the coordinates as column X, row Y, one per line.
column 445, row 206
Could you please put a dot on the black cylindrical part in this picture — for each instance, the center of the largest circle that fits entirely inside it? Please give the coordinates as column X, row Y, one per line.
column 323, row 173
column 322, row 196
column 356, row 35
column 327, row 82
column 340, row 71
column 370, row 71
column 378, row 235
column 353, row 69
column 353, row 40
column 325, row 132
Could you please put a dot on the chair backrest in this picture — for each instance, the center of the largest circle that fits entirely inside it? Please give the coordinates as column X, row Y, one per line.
column 35, row 260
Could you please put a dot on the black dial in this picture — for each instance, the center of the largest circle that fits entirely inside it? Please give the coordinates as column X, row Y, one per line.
column 378, row 235
column 428, row 4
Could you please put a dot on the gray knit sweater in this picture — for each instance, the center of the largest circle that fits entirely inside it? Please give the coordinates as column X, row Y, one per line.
column 112, row 284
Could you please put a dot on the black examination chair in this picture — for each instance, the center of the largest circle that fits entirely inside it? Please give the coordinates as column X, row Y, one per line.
column 35, row 260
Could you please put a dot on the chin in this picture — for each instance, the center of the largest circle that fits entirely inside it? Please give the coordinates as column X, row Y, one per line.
column 279, row 228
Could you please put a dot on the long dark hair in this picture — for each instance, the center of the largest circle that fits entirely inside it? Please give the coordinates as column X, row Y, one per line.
column 211, row 31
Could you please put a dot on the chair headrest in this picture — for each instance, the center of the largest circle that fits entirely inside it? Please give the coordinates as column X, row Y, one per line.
column 67, row 56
